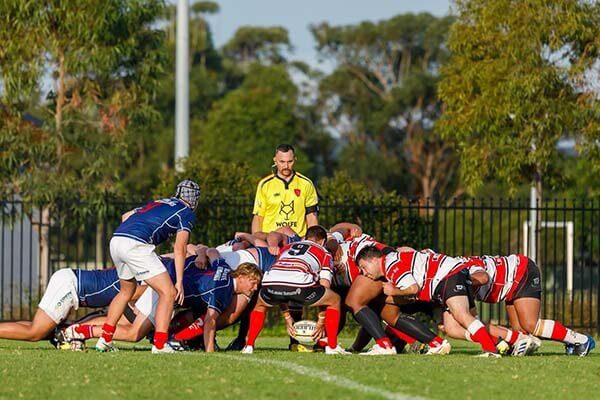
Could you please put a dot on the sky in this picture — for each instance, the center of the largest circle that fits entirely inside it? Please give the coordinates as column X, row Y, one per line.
column 297, row 15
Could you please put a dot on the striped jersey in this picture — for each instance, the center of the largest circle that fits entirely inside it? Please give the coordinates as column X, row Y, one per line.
column 505, row 272
column 300, row 264
column 346, row 267
column 424, row 268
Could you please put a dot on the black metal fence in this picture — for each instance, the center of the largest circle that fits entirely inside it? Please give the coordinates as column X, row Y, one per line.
column 36, row 240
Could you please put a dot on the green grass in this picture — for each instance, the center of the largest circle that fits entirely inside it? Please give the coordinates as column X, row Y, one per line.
column 38, row 371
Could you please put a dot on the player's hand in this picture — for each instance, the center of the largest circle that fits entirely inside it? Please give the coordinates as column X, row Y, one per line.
column 356, row 232
column 319, row 331
column 201, row 261
column 274, row 250
column 389, row 289
column 180, row 296
column 289, row 325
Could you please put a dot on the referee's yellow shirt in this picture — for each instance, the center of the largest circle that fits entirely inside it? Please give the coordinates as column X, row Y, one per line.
column 282, row 203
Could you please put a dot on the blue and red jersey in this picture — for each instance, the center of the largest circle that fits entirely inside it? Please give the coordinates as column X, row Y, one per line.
column 154, row 222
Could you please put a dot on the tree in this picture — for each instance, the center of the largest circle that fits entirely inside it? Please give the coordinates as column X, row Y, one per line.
column 517, row 82
column 382, row 101
column 104, row 59
column 258, row 44
column 249, row 122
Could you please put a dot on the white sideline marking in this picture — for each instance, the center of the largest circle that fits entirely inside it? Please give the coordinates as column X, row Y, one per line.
column 324, row 376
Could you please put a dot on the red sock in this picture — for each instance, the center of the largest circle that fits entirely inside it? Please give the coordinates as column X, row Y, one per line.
column 107, row 332
column 482, row 336
column 332, row 322
column 391, row 331
column 85, row 330
column 160, row 338
column 192, row 331
column 257, row 320
column 436, row 341
column 511, row 337
column 384, row 342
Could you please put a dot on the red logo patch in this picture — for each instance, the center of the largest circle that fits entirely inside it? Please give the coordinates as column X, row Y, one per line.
column 297, row 191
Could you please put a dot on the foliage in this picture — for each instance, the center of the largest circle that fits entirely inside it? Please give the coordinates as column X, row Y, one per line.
column 102, row 60
column 381, row 100
column 247, row 124
column 252, row 44
column 517, row 82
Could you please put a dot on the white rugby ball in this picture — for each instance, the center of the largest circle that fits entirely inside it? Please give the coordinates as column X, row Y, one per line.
column 304, row 331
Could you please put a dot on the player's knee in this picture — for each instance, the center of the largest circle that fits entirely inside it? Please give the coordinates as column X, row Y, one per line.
column 35, row 335
column 528, row 326
column 168, row 292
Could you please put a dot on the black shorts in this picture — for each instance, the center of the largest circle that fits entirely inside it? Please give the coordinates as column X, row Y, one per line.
column 292, row 296
column 530, row 285
column 458, row 284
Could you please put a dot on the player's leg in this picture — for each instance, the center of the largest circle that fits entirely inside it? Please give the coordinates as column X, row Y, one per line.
column 528, row 310
column 56, row 303
column 455, row 293
column 257, row 319
column 408, row 328
column 115, row 311
column 163, row 286
column 332, row 301
column 32, row 331
column 513, row 318
column 362, row 292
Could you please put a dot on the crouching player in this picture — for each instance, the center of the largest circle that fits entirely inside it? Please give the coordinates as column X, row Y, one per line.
column 217, row 292
column 516, row 280
column 68, row 289
column 430, row 277
column 301, row 275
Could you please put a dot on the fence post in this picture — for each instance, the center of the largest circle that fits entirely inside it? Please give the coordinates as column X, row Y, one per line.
column 436, row 221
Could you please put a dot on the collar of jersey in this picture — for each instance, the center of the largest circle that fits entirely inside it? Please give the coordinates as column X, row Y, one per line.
column 286, row 183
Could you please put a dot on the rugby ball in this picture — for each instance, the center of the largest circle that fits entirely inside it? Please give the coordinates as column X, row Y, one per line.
column 304, row 331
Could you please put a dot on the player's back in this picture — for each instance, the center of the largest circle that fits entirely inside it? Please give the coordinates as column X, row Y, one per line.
column 504, row 272
column 154, row 222
column 300, row 264
column 97, row 288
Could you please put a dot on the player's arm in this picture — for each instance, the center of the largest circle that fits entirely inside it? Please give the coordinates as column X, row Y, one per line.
column 257, row 221
column 289, row 321
column 347, row 229
column 312, row 219
column 210, row 329
column 391, row 290
column 179, row 251
column 128, row 214
column 312, row 207
column 251, row 238
column 275, row 241
column 479, row 278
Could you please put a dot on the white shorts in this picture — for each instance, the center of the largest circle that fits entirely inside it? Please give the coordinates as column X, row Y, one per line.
column 235, row 258
column 135, row 260
column 146, row 304
column 60, row 295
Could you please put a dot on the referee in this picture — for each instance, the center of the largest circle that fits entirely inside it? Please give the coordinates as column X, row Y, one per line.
column 285, row 197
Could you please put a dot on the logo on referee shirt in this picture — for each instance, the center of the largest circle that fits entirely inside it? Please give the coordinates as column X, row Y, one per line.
column 297, row 192
column 286, row 209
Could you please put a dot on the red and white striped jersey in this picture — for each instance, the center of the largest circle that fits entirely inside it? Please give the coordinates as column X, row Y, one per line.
column 424, row 268
column 346, row 268
column 300, row 264
column 505, row 274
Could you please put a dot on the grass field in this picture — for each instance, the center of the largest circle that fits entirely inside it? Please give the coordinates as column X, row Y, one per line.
column 37, row 371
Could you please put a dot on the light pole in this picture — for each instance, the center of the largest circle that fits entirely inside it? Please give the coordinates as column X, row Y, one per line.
column 182, row 85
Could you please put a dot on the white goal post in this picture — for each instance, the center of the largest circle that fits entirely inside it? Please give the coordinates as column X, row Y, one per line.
column 568, row 225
